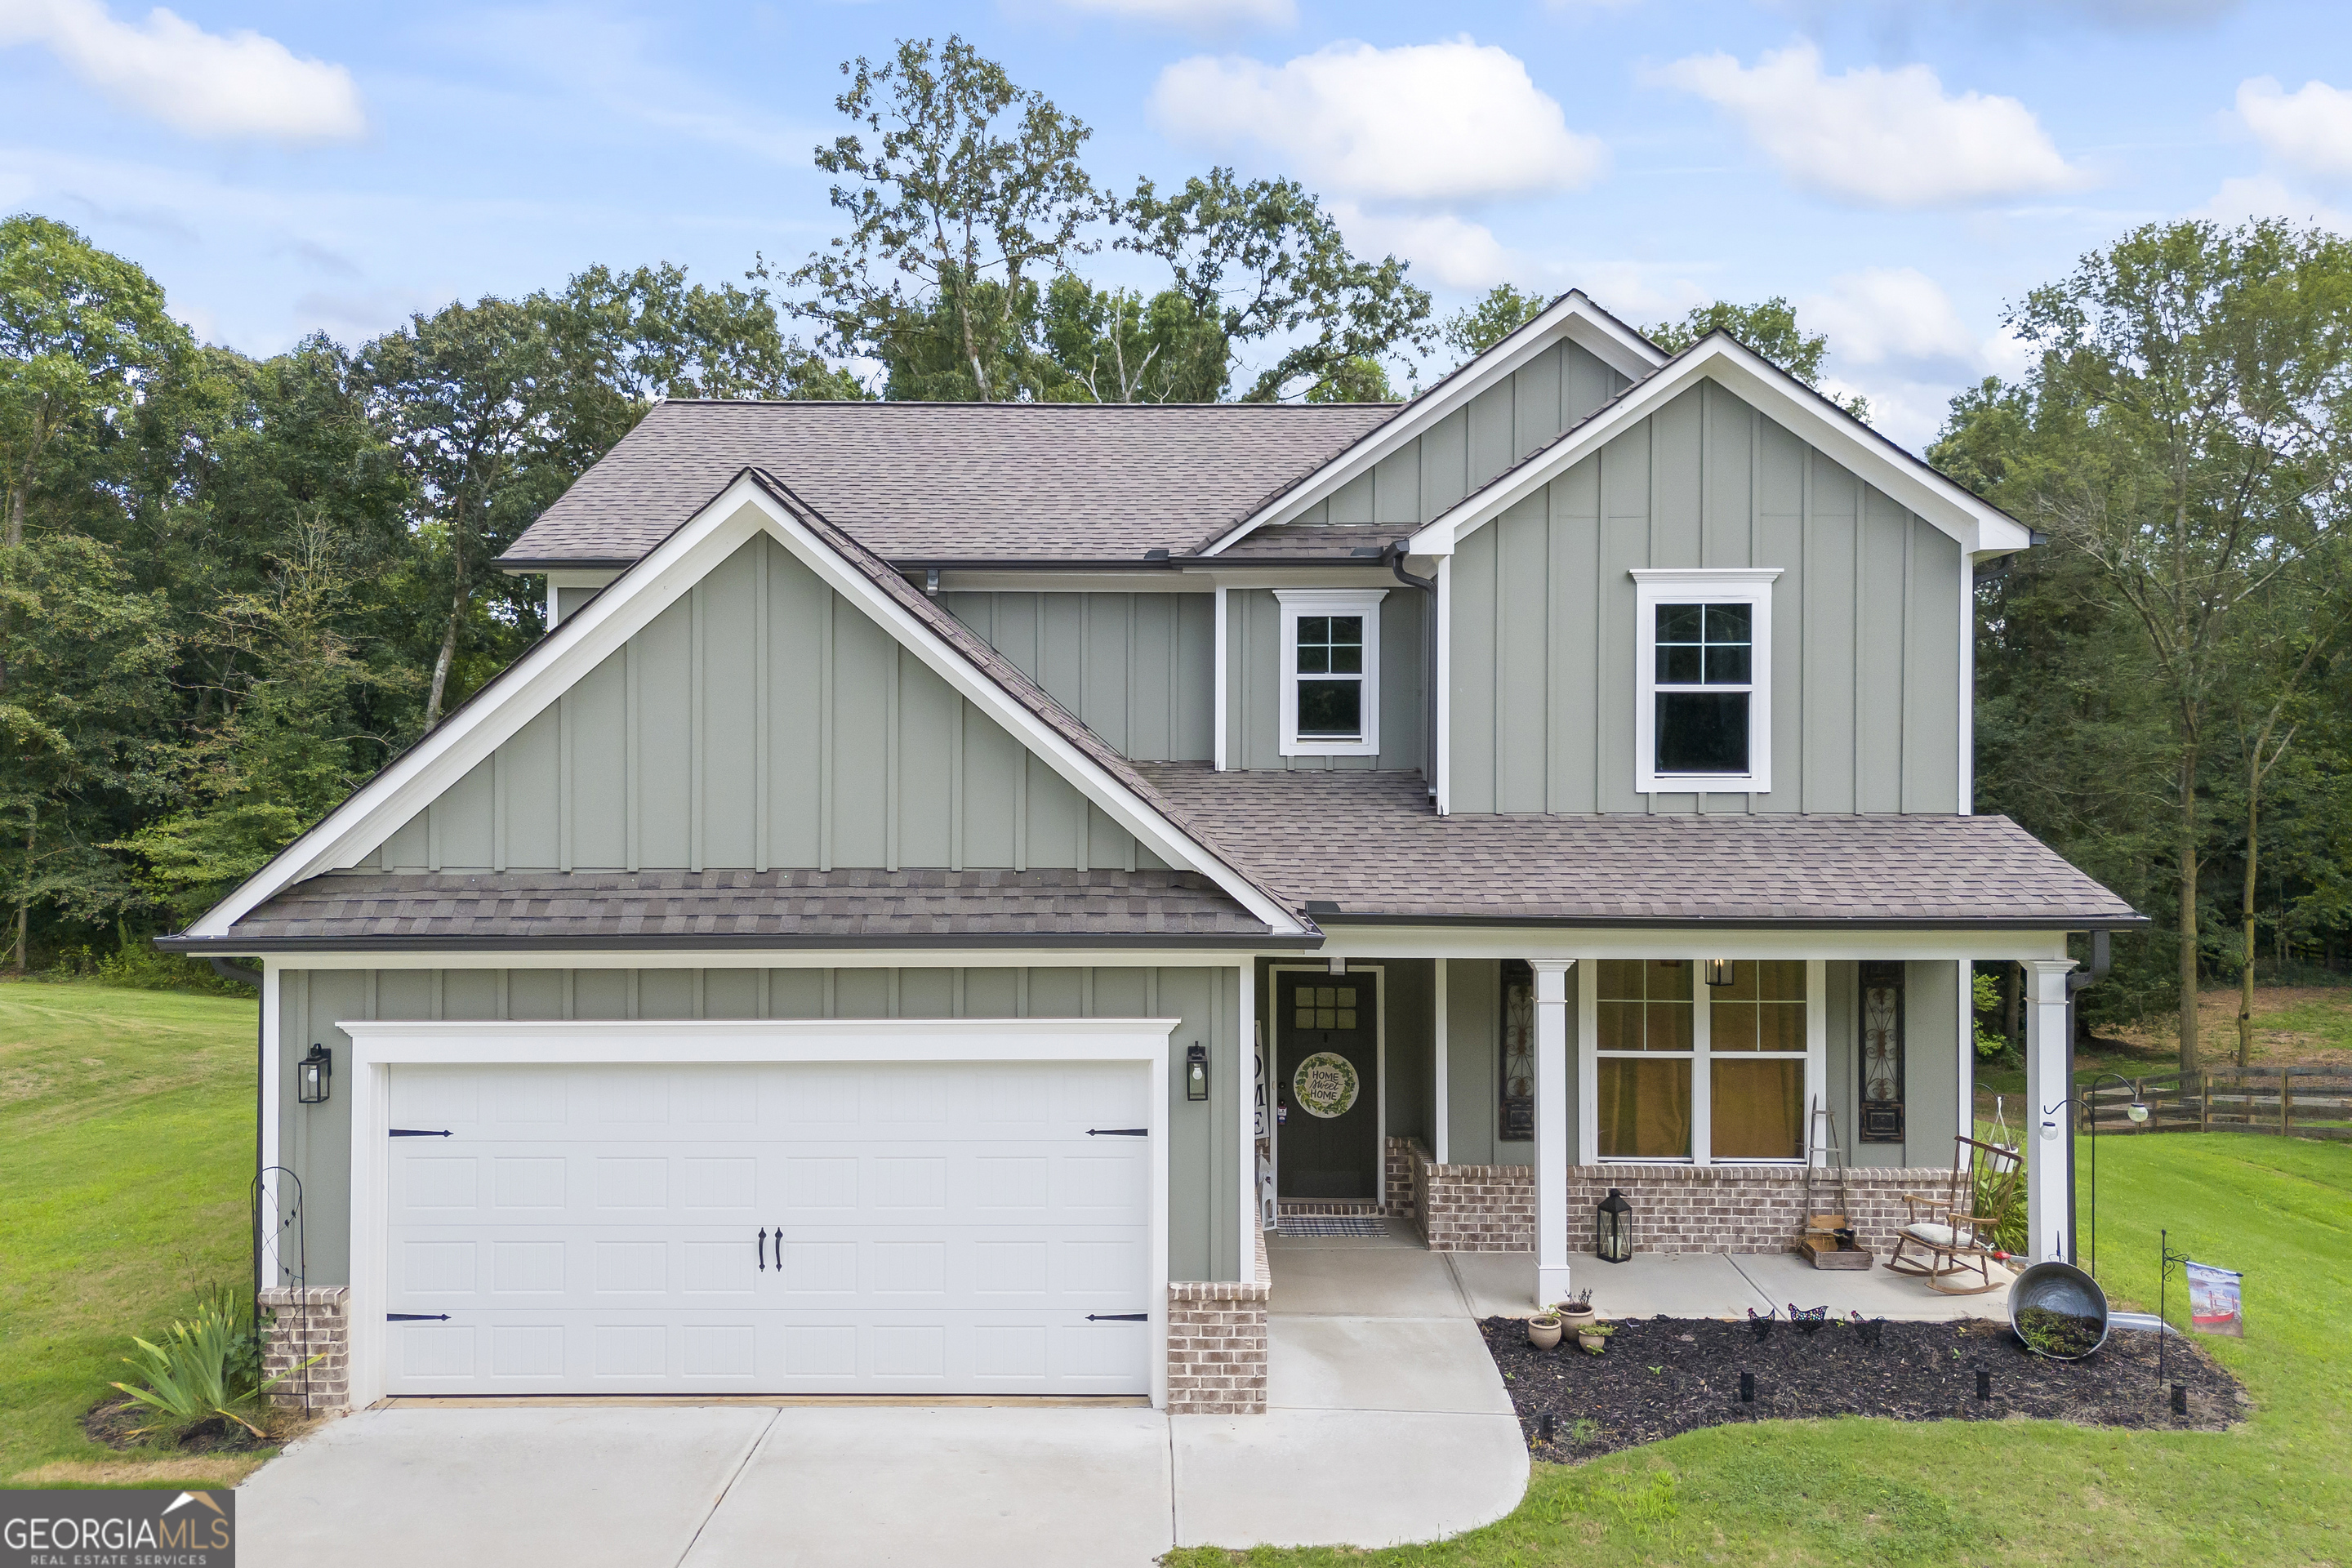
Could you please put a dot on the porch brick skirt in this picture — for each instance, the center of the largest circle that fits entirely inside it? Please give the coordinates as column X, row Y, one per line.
column 303, row 1323
column 1397, row 1200
column 1472, row 1208
column 1741, row 1208
column 1216, row 1343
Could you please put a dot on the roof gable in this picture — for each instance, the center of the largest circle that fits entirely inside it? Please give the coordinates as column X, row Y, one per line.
column 1981, row 527
column 751, row 515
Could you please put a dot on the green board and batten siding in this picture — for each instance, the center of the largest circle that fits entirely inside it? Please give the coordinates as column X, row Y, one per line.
column 1204, row 1238
column 1140, row 669
column 738, row 730
column 1865, row 625
column 1253, row 684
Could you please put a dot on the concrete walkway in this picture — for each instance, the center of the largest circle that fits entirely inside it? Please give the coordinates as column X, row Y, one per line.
column 1388, row 1424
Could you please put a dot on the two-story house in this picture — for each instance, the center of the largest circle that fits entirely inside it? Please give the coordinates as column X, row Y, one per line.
column 950, row 873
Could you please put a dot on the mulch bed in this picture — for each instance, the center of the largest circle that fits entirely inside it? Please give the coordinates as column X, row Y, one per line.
column 1662, row 1375
column 115, row 1421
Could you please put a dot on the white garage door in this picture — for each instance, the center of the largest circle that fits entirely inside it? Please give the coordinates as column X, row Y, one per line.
column 819, row 1228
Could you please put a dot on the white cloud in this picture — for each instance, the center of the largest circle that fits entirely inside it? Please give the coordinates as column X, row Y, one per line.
column 1451, row 252
column 2310, row 129
column 207, row 84
column 1194, row 16
column 2266, row 195
column 1880, row 138
column 1889, row 314
column 1432, row 123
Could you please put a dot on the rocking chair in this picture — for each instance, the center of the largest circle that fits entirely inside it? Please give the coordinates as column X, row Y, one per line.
column 1943, row 1238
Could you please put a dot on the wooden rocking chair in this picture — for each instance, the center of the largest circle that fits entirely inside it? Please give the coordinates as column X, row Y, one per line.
column 1943, row 1238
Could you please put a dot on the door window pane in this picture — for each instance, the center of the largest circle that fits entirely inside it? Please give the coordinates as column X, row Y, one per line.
column 1645, row 1108
column 1756, row 1111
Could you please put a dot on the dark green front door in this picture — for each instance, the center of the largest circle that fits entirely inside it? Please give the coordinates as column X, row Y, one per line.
column 1329, row 1145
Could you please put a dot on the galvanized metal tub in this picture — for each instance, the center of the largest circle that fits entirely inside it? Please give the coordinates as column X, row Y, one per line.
column 2058, row 1287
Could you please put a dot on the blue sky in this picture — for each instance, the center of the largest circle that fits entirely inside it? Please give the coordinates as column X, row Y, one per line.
column 1898, row 169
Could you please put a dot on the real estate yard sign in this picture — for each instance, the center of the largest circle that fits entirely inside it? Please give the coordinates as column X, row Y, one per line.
column 2213, row 1303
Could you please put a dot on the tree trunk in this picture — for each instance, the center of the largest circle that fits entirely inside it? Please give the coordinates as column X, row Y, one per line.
column 2188, row 908
column 2246, row 912
column 448, row 654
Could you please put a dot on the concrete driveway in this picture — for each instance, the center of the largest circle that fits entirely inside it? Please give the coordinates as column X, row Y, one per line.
column 1387, row 1424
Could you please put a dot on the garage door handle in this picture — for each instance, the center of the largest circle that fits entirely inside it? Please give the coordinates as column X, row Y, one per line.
column 1119, row 1316
column 418, row 1133
column 417, row 1317
column 763, row 1252
column 1119, row 1131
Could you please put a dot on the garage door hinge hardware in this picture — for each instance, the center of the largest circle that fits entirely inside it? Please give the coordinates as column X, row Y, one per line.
column 1119, row 1131
column 418, row 1133
column 417, row 1317
column 1119, row 1316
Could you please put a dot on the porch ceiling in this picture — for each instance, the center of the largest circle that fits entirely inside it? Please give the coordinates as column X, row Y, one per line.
column 1370, row 844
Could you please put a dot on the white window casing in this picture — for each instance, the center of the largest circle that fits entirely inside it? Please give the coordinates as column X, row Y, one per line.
column 1298, row 603
column 1742, row 586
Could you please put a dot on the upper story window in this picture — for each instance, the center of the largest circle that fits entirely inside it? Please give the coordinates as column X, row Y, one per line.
column 1703, row 706
column 1330, row 671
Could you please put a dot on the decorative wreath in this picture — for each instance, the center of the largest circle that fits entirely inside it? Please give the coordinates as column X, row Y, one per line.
column 1325, row 1085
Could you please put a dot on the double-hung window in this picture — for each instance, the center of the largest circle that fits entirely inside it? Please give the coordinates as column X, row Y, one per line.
column 1686, row 1069
column 1330, row 671
column 1703, row 712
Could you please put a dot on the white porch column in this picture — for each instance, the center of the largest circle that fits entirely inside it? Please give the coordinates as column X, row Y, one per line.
column 1552, row 1130
column 2050, row 1203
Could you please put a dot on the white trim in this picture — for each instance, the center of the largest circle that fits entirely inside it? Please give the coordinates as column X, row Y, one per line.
column 1967, row 797
column 1552, row 1048
column 2048, row 1206
column 1297, row 602
column 1443, row 741
column 377, row 1046
column 1246, row 1095
column 411, row 782
column 770, row 958
column 1442, row 1109
column 1729, row 941
column 1588, row 1068
column 1218, row 698
column 1573, row 316
column 1912, row 484
column 1751, row 587
column 1274, row 1087
column 1964, row 1065
column 1817, row 1043
column 271, row 1065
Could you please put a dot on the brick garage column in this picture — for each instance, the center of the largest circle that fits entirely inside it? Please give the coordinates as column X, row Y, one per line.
column 303, row 1324
column 1551, row 1130
column 2048, row 1206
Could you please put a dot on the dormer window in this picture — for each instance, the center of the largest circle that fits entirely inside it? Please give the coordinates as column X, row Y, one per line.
column 1330, row 671
column 1702, row 703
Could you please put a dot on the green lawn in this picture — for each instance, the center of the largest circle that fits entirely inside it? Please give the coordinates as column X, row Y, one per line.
column 126, row 1148
column 2277, row 1490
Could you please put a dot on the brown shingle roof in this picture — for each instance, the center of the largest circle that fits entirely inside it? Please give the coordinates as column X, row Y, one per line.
column 457, row 910
column 962, row 481
column 1371, row 843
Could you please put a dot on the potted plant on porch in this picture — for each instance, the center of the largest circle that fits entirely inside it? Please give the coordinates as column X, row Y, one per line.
column 1577, row 1313
column 1543, row 1331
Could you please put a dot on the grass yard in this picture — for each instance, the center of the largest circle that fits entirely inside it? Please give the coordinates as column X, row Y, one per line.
column 2275, row 1491
column 126, row 1148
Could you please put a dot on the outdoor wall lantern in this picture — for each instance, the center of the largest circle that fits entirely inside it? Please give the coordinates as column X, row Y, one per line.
column 313, row 1074
column 1720, row 971
column 1613, row 1240
column 1196, row 1072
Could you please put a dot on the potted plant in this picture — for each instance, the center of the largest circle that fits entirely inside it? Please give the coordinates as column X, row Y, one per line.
column 1576, row 1312
column 1543, row 1331
column 1595, row 1337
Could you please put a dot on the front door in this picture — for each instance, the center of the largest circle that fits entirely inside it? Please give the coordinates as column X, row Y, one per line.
column 1327, row 1073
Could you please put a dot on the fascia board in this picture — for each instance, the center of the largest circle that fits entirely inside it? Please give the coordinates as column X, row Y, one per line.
column 1572, row 316
column 604, row 625
column 1976, row 524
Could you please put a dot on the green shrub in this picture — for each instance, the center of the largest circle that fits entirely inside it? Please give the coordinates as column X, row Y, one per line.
column 207, row 1367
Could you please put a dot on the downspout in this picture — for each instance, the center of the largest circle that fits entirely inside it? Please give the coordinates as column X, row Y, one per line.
column 2102, row 959
column 1394, row 555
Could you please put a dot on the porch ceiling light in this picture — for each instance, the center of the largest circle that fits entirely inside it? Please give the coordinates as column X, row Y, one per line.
column 314, row 1076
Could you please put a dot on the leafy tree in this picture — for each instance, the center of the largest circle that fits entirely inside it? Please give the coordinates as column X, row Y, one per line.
column 1473, row 330
column 80, row 723
column 1266, row 263
column 1771, row 329
column 1116, row 345
column 963, row 192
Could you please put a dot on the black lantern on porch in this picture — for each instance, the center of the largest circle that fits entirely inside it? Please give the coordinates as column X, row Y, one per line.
column 1614, row 1236
column 1196, row 1072
column 314, row 1074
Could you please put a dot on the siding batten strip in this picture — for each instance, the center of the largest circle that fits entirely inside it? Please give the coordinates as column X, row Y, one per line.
column 632, row 811
column 892, row 787
column 698, row 732
column 763, row 771
column 825, row 757
column 564, row 741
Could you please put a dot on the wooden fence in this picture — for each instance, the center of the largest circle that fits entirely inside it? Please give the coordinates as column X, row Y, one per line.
column 2300, row 1102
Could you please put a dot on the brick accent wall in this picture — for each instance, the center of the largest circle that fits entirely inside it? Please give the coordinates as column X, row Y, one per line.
column 1472, row 1208
column 1741, row 1208
column 303, row 1323
column 1216, row 1343
column 1399, row 1195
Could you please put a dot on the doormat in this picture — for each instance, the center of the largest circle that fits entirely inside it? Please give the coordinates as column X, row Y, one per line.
column 1331, row 1224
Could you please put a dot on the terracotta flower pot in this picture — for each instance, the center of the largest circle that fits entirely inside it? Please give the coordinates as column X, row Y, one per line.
column 1591, row 1340
column 1578, row 1319
column 1543, row 1332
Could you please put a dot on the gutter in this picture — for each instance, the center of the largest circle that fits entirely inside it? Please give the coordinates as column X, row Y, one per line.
column 1329, row 915
column 205, row 946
